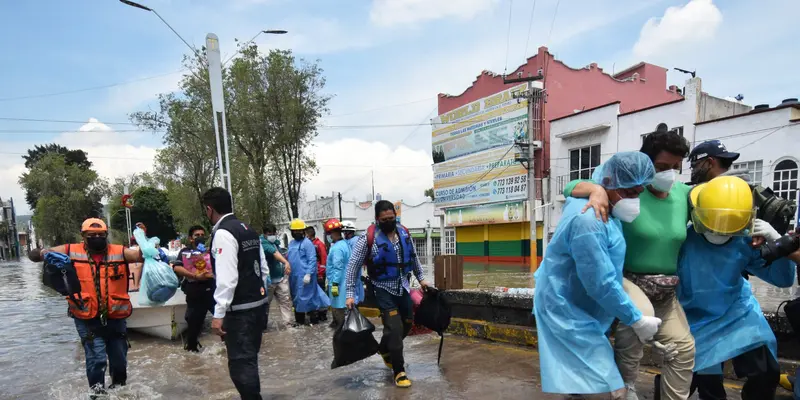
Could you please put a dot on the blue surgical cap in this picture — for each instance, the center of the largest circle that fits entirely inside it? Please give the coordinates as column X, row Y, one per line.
column 624, row 171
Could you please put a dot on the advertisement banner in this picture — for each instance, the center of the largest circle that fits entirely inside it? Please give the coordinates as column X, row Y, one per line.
column 468, row 169
column 490, row 122
column 497, row 213
column 492, row 189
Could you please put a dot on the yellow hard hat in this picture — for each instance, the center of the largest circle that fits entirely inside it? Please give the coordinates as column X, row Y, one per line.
column 723, row 206
column 297, row 225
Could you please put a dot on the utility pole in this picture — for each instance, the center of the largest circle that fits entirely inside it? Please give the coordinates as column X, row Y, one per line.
column 527, row 147
column 340, row 206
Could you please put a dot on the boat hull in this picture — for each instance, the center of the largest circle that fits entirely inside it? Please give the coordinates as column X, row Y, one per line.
column 164, row 321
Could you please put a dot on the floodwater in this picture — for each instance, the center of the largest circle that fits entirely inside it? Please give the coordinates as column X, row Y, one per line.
column 40, row 358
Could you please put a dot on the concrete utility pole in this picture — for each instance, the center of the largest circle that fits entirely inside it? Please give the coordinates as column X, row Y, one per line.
column 526, row 155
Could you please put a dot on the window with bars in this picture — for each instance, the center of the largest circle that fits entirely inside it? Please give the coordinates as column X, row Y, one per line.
column 583, row 161
column 784, row 179
column 449, row 241
column 755, row 169
column 422, row 247
column 437, row 247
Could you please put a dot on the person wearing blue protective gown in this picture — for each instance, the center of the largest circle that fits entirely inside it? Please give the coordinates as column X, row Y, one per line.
column 349, row 231
column 338, row 257
column 723, row 314
column 579, row 286
column 307, row 295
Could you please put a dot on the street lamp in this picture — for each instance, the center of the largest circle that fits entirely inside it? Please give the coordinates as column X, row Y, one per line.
column 141, row 7
column 268, row 31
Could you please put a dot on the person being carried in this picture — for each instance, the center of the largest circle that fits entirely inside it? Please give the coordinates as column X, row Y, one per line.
column 193, row 265
column 338, row 258
column 724, row 316
column 278, row 268
column 100, row 320
column 579, row 287
column 389, row 254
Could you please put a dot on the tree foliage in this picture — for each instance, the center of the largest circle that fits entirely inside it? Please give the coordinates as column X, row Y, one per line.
column 273, row 103
column 150, row 207
column 430, row 193
column 72, row 157
column 67, row 195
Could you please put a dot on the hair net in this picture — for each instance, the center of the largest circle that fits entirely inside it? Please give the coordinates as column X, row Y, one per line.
column 625, row 170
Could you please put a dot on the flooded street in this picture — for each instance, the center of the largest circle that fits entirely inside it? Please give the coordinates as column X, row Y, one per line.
column 40, row 358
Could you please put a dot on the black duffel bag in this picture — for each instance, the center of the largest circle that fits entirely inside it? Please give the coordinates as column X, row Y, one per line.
column 434, row 313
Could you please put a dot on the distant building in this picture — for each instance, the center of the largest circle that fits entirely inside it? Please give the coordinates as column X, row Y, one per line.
column 9, row 241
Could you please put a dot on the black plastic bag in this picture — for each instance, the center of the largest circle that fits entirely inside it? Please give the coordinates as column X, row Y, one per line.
column 434, row 313
column 353, row 341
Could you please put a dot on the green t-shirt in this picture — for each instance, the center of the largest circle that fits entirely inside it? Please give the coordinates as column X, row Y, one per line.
column 655, row 237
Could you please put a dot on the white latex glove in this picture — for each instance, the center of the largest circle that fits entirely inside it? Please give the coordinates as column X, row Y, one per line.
column 307, row 279
column 765, row 230
column 646, row 327
column 668, row 352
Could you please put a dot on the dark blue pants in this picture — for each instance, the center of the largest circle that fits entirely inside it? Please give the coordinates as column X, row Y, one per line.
column 199, row 301
column 104, row 345
column 243, row 330
column 397, row 316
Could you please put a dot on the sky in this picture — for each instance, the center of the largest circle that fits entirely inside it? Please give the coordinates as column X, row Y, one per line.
column 90, row 64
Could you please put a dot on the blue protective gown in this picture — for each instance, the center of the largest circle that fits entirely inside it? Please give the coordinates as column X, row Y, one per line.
column 724, row 316
column 577, row 296
column 303, row 258
column 338, row 258
column 359, row 297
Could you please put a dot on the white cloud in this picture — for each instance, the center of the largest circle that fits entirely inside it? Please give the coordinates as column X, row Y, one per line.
column 389, row 13
column 126, row 98
column 695, row 23
column 345, row 165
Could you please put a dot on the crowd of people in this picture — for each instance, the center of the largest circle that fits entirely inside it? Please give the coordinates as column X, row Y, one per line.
column 670, row 262
column 247, row 271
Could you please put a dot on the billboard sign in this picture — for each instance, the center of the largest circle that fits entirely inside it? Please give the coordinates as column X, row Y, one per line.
column 490, row 122
column 496, row 213
column 488, row 177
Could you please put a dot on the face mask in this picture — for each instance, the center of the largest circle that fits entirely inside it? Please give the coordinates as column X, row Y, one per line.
column 626, row 210
column 96, row 244
column 713, row 238
column 298, row 236
column 700, row 172
column 387, row 226
column 272, row 238
column 329, row 238
column 199, row 240
column 664, row 180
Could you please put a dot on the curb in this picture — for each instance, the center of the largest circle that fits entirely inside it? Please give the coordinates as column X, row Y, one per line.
column 526, row 336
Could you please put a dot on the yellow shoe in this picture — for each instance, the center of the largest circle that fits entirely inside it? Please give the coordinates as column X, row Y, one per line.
column 786, row 383
column 387, row 360
column 402, row 381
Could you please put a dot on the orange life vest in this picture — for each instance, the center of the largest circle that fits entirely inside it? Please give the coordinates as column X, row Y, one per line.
column 112, row 278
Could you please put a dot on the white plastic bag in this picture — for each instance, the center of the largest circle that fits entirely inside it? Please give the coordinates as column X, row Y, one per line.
column 159, row 282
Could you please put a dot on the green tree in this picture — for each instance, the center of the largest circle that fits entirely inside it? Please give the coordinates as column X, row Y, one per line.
column 430, row 193
column 150, row 207
column 72, row 157
column 67, row 194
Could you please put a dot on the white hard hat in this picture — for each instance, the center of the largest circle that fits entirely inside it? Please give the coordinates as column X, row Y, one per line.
column 348, row 226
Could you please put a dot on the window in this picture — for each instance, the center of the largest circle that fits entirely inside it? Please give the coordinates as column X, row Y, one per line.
column 678, row 130
column 421, row 245
column 754, row 169
column 437, row 247
column 784, row 180
column 449, row 241
column 583, row 161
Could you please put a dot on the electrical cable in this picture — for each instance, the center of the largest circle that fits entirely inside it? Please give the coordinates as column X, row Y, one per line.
column 530, row 26
column 553, row 23
column 508, row 35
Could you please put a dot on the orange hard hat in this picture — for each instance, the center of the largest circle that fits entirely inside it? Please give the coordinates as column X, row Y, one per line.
column 332, row 225
column 94, row 225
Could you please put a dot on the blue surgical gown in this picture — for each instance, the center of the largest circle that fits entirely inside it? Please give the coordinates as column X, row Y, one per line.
column 359, row 297
column 578, row 294
column 303, row 258
column 338, row 258
column 724, row 316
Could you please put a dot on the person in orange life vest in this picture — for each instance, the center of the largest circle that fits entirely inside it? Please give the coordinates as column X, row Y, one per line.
column 101, row 321
column 322, row 259
column 198, row 285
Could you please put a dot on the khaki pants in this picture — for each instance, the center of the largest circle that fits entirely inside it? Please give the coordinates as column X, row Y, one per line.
column 280, row 291
column 676, row 375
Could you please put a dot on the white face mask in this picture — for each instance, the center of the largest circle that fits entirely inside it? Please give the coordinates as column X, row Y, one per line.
column 626, row 210
column 272, row 238
column 713, row 238
column 664, row 180
column 330, row 238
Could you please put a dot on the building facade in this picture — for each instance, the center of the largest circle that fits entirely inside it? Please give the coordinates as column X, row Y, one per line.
column 768, row 139
column 475, row 172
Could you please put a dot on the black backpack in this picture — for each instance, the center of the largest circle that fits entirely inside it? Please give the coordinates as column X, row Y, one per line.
column 434, row 313
column 61, row 276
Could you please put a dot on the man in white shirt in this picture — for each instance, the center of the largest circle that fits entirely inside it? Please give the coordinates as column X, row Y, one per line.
column 241, row 269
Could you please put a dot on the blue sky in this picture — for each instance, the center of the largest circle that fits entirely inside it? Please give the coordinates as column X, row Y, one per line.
column 375, row 54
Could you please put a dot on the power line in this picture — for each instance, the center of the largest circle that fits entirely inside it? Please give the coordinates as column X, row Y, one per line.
column 508, row 35
column 38, row 96
column 381, row 108
column 530, row 26
column 553, row 23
